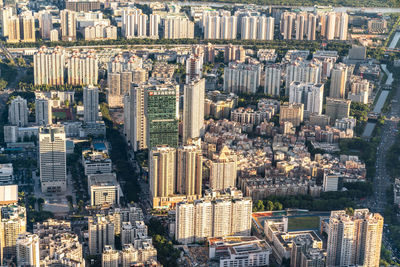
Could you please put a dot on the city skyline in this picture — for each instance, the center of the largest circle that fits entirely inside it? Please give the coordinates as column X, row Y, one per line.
column 199, row 134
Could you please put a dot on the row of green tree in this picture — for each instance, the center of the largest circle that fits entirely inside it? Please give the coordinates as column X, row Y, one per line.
column 300, row 3
column 341, row 47
column 23, row 86
column 32, row 215
column 326, row 201
column 119, row 157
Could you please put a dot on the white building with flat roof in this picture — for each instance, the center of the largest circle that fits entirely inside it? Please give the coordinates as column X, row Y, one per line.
column 239, row 251
column 6, row 173
column 8, row 194
column 96, row 162
column 103, row 189
column 331, row 181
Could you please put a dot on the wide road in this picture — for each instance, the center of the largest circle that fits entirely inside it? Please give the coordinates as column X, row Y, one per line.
column 382, row 180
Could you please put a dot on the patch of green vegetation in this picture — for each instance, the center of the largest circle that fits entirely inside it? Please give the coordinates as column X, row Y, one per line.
column 303, row 223
column 8, row 71
column 59, row 115
column 359, row 111
column 252, row 99
column 365, row 150
column 327, row 201
column 32, row 215
column 23, row 86
column 167, row 255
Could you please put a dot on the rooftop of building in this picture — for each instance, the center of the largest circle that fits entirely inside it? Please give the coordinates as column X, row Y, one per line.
column 238, row 245
column 6, row 169
column 104, row 179
column 95, row 156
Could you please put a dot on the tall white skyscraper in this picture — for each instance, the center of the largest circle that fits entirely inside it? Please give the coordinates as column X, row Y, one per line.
column 189, row 170
column 142, row 26
column 194, row 67
column 52, row 159
column 91, row 103
column 273, row 77
column 343, row 26
column 298, row 26
column 68, row 25
column 228, row 27
column 178, row 28
column 193, row 109
column 222, row 218
column 185, row 214
column 334, row 25
column 101, row 233
column 12, row 224
column 83, row 69
column 154, row 24
column 216, row 217
column 45, row 24
column 265, row 28
column 338, row 81
column 48, row 66
column 287, row 25
column 301, row 21
column 242, row 78
column 354, row 239
column 310, row 94
column 43, row 111
column 175, row 172
column 134, row 23
column 311, row 27
column 212, row 27
column 249, row 28
column 162, row 171
column 257, row 28
column 303, row 71
column 18, row 112
column 241, row 208
column 134, row 118
column 27, row 27
column 223, row 169
column 28, row 250
column 5, row 15
column 329, row 26
column 129, row 21
column 202, row 227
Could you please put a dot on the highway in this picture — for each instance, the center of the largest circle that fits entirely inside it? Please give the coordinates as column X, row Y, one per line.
column 382, row 180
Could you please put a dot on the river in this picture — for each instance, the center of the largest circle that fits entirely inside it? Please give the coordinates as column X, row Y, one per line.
column 395, row 40
column 369, row 128
column 381, row 101
column 389, row 79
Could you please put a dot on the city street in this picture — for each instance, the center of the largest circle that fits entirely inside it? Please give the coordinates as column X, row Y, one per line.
column 382, row 180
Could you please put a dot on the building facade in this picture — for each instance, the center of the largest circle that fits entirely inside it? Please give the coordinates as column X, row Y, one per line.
column 52, row 159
